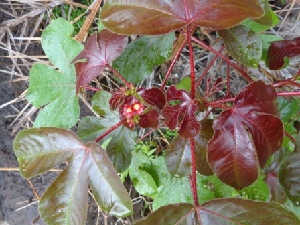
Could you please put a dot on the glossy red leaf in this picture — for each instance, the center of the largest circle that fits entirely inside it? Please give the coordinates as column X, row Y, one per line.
column 149, row 119
column 100, row 49
column 117, row 98
column 153, row 96
column 246, row 136
column 160, row 16
column 180, row 112
column 278, row 50
column 226, row 211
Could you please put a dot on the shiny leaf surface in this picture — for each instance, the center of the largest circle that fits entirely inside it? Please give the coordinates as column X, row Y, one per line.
column 100, row 49
column 180, row 112
column 229, row 211
column 246, row 136
column 160, row 17
column 65, row 201
column 280, row 50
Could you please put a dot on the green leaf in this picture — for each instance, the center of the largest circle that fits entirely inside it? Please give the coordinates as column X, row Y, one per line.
column 143, row 181
column 137, row 61
column 120, row 147
column 221, row 190
column 184, row 84
column 56, row 88
column 65, row 202
column 243, row 44
column 177, row 190
column 59, row 46
column 90, row 127
column 100, row 103
column 259, row 190
column 222, row 212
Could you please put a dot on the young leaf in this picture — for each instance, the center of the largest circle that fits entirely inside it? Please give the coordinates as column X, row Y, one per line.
column 280, row 50
column 160, row 16
column 137, row 61
column 276, row 190
column 65, row 201
column 246, row 136
column 153, row 96
column 100, row 49
column 289, row 174
column 222, row 212
column 180, row 111
column 55, row 88
column 243, row 44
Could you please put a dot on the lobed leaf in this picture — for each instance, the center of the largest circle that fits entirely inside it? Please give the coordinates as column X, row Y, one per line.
column 243, row 44
column 100, row 103
column 140, row 56
column 280, row 51
column 100, row 50
column 180, row 111
column 160, row 17
column 246, row 136
column 222, row 212
column 66, row 200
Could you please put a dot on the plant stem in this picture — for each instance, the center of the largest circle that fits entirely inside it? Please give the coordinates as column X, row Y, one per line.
column 293, row 93
column 193, row 178
column 119, row 76
column 173, row 63
column 109, row 131
column 91, row 88
column 234, row 65
column 192, row 61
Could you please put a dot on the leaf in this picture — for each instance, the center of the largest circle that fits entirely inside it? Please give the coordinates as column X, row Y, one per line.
column 246, row 136
column 259, row 190
column 153, row 96
column 266, row 41
column 160, row 17
column 90, row 127
column 143, row 181
column 177, row 190
column 100, row 50
column 276, row 190
column 184, row 84
column 222, row 212
column 140, row 56
column 267, row 21
column 289, row 174
column 58, row 45
column 149, row 119
column 243, row 44
column 100, row 103
column 120, row 147
column 280, row 50
column 65, row 201
column 55, row 88
column 180, row 111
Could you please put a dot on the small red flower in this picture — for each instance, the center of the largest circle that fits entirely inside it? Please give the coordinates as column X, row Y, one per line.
column 130, row 111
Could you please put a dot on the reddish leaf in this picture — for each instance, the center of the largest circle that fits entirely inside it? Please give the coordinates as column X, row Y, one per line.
column 222, row 212
column 278, row 50
column 149, row 119
column 153, row 96
column 117, row 98
column 246, row 136
column 66, row 199
column 277, row 192
column 180, row 111
column 160, row 16
column 100, row 49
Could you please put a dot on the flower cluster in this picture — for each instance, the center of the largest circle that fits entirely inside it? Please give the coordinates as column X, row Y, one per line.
column 131, row 111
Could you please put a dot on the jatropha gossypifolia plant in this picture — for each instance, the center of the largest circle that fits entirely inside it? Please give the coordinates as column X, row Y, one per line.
column 236, row 145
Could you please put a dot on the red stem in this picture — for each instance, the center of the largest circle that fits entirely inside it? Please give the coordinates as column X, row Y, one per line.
column 173, row 63
column 289, row 137
column 109, row 131
column 208, row 67
column 228, row 80
column 192, row 61
column 234, row 65
column 119, row 76
column 286, row 82
column 193, row 177
column 294, row 93
column 91, row 88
